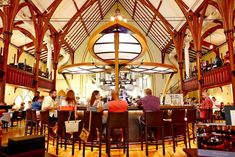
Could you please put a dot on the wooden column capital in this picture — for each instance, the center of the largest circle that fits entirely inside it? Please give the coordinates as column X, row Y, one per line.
column 7, row 33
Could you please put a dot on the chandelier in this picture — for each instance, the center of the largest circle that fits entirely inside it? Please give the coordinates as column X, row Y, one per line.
column 118, row 16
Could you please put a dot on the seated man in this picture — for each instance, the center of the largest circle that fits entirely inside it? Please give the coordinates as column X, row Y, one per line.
column 148, row 103
column 50, row 105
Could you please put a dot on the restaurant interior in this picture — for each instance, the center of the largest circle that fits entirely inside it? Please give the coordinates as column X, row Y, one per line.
column 117, row 78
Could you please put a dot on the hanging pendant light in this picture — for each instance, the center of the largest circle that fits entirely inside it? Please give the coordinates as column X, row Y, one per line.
column 118, row 16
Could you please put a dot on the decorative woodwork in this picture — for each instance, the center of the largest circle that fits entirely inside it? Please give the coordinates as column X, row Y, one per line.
column 217, row 77
column 190, row 84
column 19, row 77
column 45, row 83
column 8, row 15
column 214, row 78
column 22, row 78
column 226, row 9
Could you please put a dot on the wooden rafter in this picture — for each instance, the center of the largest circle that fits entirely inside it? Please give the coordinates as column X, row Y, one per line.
column 100, row 9
column 134, row 9
column 158, row 14
column 210, row 31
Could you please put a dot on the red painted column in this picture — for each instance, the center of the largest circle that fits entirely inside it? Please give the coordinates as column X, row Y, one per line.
column 55, row 66
column 7, row 38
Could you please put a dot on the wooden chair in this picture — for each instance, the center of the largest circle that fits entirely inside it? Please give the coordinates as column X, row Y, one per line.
column 118, row 120
column 153, row 120
column 96, row 125
column 178, row 127
column 190, row 119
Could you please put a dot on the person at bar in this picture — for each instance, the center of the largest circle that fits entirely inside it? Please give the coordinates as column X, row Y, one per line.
column 95, row 103
column 36, row 96
column 216, row 104
column 37, row 105
column 149, row 102
column 206, row 106
column 116, row 105
column 50, row 105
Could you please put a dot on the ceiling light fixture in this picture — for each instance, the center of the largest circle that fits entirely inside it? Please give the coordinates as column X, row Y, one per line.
column 118, row 16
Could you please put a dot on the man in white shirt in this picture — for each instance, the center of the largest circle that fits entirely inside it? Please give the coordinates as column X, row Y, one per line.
column 50, row 105
column 216, row 104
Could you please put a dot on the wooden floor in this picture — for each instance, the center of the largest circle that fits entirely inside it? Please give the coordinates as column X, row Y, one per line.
column 134, row 149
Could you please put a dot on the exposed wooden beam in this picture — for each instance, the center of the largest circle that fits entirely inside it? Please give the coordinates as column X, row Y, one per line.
column 165, row 49
column 158, row 14
column 69, row 47
column 210, row 31
column 134, row 9
column 100, row 9
column 66, row 28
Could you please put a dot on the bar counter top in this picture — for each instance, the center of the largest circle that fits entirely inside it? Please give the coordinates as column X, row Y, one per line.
column 162, row 107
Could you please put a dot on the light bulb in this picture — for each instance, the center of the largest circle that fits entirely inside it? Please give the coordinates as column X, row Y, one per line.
column 24, row 48
column 211, row 46
column 125, row 20
column 120, row 18
column 112, row 18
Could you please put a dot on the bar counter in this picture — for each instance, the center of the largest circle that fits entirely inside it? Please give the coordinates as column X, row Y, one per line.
column 134, row 114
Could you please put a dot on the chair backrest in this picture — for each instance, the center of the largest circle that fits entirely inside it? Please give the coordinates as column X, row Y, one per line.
column 178, row 116
column 154, row 119
column 44, row 117
column 62, row 117
column 117, row 120
column 28, row 115
column 96, row 120
column 15, row 115
column 34, row 115
column 191, row 115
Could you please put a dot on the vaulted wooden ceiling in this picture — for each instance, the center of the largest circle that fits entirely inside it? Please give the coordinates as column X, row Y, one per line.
column 148, row 14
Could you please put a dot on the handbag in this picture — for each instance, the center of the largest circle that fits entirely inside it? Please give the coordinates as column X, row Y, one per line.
column 85, row 133
column 71, row 126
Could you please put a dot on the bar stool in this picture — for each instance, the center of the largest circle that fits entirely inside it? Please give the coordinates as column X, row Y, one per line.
column 117, row 120
column 190, row 119
column 178, row 126
column 96, row 124
column 61, row 136
column 28, row 122
column 45, row 125
column 153, row 120
column 35, row 121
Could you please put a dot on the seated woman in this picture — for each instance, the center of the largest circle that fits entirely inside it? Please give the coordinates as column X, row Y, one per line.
column 69, row 103
column 116, row 105
column 95, row 103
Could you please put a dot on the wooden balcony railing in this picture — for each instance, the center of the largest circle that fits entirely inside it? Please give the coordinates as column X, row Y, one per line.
column 190, row 84
column 45, row 83
column 19, row 77
column 214, row 78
